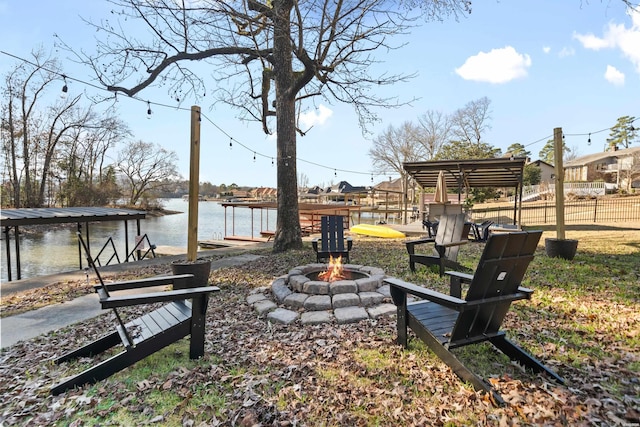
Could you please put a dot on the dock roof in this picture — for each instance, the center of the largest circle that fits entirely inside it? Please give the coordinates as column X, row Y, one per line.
column 34, row 216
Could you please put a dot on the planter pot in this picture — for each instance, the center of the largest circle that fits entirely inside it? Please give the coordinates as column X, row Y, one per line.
column 200, row 269
column 561, row 248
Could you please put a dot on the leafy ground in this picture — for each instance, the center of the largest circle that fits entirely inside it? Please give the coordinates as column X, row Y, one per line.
column 583, row 321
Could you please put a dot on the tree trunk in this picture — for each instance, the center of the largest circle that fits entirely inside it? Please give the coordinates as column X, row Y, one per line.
column 288, row 233
column 15, row 182
column 26, row 160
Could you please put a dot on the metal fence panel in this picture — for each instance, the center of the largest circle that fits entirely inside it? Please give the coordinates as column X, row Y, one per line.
column 596, row 210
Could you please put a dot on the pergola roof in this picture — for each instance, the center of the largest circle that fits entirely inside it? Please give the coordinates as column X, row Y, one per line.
column 471, row 173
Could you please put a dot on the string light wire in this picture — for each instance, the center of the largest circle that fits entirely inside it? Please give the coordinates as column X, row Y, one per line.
column 231, row 139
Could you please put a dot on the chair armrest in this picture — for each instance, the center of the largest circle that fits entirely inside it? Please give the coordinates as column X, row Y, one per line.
column 457, row 243
column 498, row 299
column 456, row 280
column 314, row 243
column 412, row 243
column 152, row 297
column 428, row 294
column 145, row 283
column 463, row 277
column 420, row 241
column 525, row 291
column 349, row 243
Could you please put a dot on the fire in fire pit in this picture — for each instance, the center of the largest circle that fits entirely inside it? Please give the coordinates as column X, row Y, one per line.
column 335, row 271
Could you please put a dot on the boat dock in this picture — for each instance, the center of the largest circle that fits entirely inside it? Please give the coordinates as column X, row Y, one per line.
column 310, row 214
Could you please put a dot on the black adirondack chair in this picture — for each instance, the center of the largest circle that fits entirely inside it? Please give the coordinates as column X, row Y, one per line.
column 453, row 232
column 431, row 227
column 445, row 322
column 481, row 231
column 332, row 241
column 184, row 314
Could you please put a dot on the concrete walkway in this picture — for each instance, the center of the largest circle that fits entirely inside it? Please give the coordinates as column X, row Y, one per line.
column 44, row 320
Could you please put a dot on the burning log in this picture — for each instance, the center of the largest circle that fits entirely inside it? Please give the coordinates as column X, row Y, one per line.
column 334, row 272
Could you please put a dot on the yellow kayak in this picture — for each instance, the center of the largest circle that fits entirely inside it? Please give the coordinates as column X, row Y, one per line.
column 377, row 231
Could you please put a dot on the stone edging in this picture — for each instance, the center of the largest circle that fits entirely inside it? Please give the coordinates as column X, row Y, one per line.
column 356, row 300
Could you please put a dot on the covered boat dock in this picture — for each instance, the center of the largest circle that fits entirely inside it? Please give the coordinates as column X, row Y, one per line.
column 12, row 219
column 310, row 214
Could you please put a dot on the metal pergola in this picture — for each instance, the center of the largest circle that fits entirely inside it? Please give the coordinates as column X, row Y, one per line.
column 472, row 173
column 14, row 218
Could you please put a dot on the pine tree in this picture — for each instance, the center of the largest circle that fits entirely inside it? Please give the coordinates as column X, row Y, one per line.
column 622, row 133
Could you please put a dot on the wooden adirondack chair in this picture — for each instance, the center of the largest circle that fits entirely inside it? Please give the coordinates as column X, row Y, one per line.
column 445, row 322
column 147, row 334
column 332, row 241
column 453, row 231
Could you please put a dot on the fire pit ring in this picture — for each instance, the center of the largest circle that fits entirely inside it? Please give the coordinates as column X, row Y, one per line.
column 347, row 300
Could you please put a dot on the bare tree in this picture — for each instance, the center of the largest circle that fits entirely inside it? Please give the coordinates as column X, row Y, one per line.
column 472, row 121
column 395, row 146
column 436, row 130
column 146, row 167
column 303, row 180
column 271, row 59
column 629, row 171
column 35, row 126
column 81, row 161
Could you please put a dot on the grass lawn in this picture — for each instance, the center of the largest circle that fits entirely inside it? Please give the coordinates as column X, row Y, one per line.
column 583, row 321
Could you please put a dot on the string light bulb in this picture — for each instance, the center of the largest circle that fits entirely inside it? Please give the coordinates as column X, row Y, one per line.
column 254, row 156
column 335, row 173
column 230, row 143
column 178, row 98
column 272, row 162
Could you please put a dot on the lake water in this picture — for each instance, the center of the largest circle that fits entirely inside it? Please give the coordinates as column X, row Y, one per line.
column 56, row 250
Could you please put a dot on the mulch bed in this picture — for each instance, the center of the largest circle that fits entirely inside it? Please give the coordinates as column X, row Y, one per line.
column 291, row 375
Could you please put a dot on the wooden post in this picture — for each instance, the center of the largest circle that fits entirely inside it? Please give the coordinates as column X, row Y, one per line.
column 194, row 185
column 558, row 150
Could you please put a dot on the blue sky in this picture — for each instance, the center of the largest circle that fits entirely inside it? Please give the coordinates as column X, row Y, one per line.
column 542, row 63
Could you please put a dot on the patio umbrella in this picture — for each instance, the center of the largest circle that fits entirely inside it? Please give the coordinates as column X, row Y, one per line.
column 441, row 189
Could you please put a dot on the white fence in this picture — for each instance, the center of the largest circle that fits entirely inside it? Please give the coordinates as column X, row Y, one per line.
column 535, row 192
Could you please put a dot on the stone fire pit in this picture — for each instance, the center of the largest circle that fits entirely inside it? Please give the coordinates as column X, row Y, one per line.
column 300, row 294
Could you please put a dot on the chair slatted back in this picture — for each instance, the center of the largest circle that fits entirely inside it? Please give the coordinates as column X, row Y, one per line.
column 500, row 271
column 123, row 331
column 332, row 233
column 452, row 228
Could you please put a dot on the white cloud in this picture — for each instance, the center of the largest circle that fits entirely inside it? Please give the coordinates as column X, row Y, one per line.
column 546, row 49
column 566, row 51
column 614, row 76
column 617, row 36
column 312, row 118
column 496, row 66
column 589, row 41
